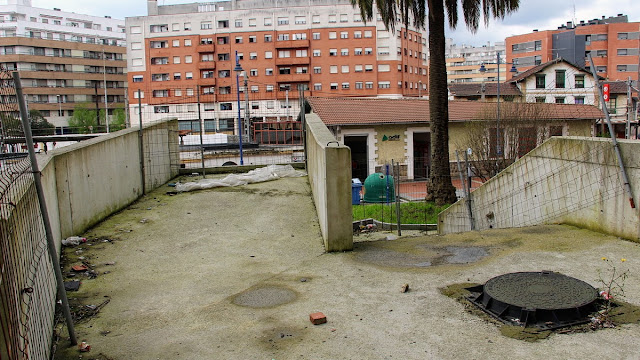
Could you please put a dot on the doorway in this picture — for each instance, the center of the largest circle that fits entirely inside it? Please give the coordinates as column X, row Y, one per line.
column 421, row 155
column 359, row 158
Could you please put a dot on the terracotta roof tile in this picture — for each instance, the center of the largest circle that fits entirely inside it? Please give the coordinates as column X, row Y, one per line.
column 367, row 111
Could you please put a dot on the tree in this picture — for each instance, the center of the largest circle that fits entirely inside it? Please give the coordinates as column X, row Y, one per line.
column 83, row 120
column 117, row 120
column 39, row 125
column 441, row 189
column 12, row 125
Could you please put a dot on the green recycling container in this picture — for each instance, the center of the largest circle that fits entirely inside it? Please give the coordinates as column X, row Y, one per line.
column 378, row 188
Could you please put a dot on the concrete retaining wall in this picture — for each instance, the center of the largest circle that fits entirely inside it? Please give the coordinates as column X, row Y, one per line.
column 571, row 180
column 88, row 181
column 329, row 169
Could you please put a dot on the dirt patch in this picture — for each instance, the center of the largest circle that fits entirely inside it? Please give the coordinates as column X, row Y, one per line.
column 265, row 297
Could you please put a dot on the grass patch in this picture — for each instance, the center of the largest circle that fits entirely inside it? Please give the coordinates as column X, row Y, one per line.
column 410, row 212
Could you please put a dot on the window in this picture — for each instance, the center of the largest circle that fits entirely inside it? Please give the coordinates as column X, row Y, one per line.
column 368, row 51
column 623, row 68
column 187, row 26
column 359, row 84
column 540, row 99
column 224, row 90
column 224, row 73
column 345, row 86
column 317, row 70
column 300, row 36
column 283, row 21
column 226, row 106
column 540, row 81
column 138, row 78
column 207, row 74
column 161, row 93
column 384, row 67
column 268, row 38
column 158, row 44
column 302, row 53
column 357, row 51
column 268, row 21
column 252, row 22
column 384, row 50
column 222, row 24
column 223, row 57
column 623, row 36
column 357, row 34
column 205, row 25
column 222, row 40
column 560, row 79
column 602, row 53
column 333, row 18
column 188, row 75
column 316, row 52
column 344, row 35
column 253, row 39
column 317, row 86
column 269, row 88
column 133, row 29
column 188, row 59
column 268, row 72
column 300, row 20
column 177, row 92
column 613, row 104
column 384, row 84
column 357, row 68
column 368, row 85
column 333, row 69
column 537, row 45
column 333, row 52
column 345, row 69
column 254, row 105
column 333, row 35
column 344, row 52
column 315, row 36
column 284, row 71
column 136, row 95
column 187, row 42
column 134, row 62
column 579, row 79
column 238, row 39
column 175, row 43
column 159, row 61
column 368, row 34
column 238, row 23
column 284, row 53
column 623, row 52
column 560, row 100
column 268, row 55
column 161, row 109
column 579, row 99
column 283, row 37
column 315, row 19
column 176, row 59
column 333, row 86
column 601, row 69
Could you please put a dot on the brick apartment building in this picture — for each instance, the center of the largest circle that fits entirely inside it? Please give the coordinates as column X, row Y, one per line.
column 613, row 43
column 180, row 54
column 63, row 58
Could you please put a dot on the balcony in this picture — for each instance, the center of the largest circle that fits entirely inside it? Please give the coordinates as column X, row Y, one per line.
column 286, row 78
column 203, row 65
column 293, row 61
column 206, row 48
column 292, row 44
column 206, row 81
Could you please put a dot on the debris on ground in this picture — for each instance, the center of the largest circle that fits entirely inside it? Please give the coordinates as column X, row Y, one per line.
column 391, row 237
column 267, row 173
column 405, row 288
column 317, row 318
column 73, row 285
column 84, row 347
column 83, row 312
column 74, row 241
column 79, row 268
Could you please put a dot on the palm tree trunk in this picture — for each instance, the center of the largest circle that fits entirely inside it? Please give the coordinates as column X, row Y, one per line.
column 441, row 190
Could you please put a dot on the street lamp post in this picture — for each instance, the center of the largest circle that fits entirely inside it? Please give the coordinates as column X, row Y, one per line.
column 238, row 70
column 59, row 105
column 483, row 70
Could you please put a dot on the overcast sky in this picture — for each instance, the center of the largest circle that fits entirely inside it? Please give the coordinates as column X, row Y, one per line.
column 533, row 14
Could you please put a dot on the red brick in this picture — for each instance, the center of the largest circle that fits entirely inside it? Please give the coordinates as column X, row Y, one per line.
column 317, row 318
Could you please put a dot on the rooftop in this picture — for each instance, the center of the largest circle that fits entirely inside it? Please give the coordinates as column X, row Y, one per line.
column 233, row 273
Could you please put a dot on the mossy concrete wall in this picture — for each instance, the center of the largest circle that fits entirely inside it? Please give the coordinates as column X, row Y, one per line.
column 90, row 180
column 329, row 169
column 571, row 180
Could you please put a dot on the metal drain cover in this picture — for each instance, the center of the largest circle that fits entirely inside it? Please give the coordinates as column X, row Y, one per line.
column 544, row 299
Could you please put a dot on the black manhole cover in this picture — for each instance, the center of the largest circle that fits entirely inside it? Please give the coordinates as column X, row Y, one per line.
column 543, row 299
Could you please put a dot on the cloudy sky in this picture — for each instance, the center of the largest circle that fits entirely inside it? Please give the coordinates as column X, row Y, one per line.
column 533, row 14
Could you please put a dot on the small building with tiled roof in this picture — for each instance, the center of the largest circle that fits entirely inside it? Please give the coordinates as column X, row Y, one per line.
column 380, row 130
column 557, row 81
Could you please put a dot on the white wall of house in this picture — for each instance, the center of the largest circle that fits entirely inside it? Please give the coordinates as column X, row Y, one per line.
column 570, row 93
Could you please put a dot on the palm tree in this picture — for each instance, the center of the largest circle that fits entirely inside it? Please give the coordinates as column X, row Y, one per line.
column 440, row 190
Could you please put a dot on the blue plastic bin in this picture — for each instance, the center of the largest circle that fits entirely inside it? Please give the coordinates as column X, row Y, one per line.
column 356, row 186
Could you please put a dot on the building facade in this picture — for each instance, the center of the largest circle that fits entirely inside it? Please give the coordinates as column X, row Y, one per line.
column 180, row 56
column 464, row 61
column 613, row 43
column 64, row 59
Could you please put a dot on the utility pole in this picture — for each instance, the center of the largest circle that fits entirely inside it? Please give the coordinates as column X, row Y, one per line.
column 247, row 118
column 95, row 86
column 104, row 73
column 287, row 103
column 627, row 128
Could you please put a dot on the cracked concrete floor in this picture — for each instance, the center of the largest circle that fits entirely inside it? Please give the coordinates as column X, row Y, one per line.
column 234, row 274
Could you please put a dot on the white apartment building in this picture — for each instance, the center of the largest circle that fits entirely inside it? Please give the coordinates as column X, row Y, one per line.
column 463, row 62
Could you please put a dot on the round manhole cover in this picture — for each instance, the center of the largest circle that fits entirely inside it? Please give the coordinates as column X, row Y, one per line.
column 540, row 290
column 265, row 297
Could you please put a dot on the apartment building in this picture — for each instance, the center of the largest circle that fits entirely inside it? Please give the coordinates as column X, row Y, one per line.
column 464, row 61
column 180, row 54
column 613, row 42
column 64, row 59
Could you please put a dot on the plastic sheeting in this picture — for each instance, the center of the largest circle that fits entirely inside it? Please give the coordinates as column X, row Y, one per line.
column 271, row 172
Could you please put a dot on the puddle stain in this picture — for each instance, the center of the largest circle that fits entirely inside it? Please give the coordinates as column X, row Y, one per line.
column 265, row 297
column 419, row 256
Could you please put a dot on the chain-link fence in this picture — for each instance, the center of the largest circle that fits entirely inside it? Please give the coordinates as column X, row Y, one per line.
column 27, row 286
